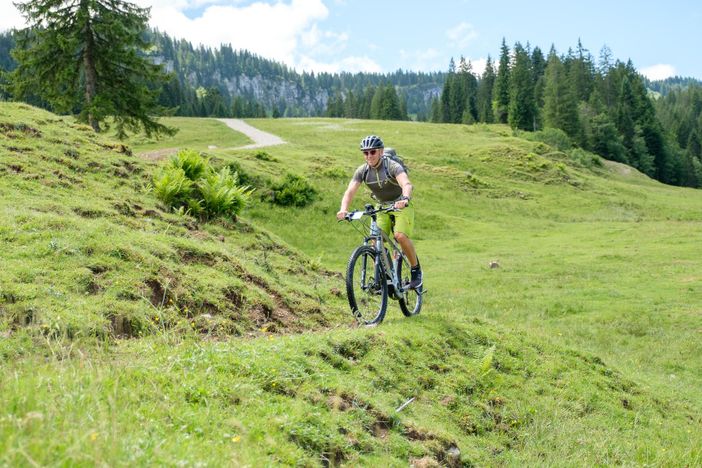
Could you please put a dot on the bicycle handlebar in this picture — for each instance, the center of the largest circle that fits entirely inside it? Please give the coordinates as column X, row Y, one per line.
column 370, row 210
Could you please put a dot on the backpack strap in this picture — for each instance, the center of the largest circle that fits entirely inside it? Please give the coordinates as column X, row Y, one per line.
column 364, row 176
column 385, row 163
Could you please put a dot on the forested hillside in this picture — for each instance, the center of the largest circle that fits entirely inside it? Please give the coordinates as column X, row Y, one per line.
column 604, row 105
column 225, row 81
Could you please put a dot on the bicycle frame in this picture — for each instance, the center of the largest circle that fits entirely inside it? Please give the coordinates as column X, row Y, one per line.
column 378, row 239
column 386, row 274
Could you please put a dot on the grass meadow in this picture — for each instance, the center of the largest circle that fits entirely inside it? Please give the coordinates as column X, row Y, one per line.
column 133, row 335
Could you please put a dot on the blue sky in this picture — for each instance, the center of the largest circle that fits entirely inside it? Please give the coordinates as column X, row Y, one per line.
column 661, row 38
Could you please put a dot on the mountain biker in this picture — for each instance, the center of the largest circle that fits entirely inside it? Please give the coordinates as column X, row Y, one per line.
column 389, row 183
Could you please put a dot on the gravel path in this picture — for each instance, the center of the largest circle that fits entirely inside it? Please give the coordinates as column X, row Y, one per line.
column 259, row 137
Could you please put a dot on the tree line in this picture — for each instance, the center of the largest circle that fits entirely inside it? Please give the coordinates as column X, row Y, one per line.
column 226, row 82
column 376, row 102
column 97, row 59
column 602, row 106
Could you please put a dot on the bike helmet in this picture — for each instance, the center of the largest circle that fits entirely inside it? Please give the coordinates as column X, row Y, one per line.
column 371, row 142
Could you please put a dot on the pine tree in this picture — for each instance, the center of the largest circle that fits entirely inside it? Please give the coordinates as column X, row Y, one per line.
column 376, row 107
column 85, row 55
column 435, row 110
column 469, row 85
column 581, row 71
column 446, row 94
column 538, row 67
column 694, row 145
column 560, row 106
column 484, row 98
column 502, row 81
column 522, row 109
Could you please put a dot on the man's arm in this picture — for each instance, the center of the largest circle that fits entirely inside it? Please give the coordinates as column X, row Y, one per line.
column 347, row 198
column 404, row 182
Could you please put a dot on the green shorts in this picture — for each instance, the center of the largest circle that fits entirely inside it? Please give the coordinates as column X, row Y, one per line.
column 397, row 221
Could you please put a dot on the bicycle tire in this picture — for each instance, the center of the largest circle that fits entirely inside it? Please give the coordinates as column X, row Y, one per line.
column 410, row 299
column 367, row 294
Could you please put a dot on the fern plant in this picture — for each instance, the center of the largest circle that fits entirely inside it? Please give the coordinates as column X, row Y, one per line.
column 293, row 190
column 189, row 184
column 221, row 195
column 193, row 164
column 173, row 187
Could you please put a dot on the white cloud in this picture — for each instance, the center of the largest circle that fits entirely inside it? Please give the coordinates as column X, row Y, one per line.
column 271, row 30
column 10, row 17
column 425, row 60
column 462, row 34
column 324, row 42
column 479, row 66
column 348, row 64
column 287, row 31
column 658, row 72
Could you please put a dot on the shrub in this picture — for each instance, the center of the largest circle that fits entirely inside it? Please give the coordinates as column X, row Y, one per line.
column 263, row 156
column 335, row 173
column 585, row 158
column 221, row 196
column 194, row 165
column 189, row 184
column 244, row 177
column 294, row 190
column 554, row 137
column 173, row 187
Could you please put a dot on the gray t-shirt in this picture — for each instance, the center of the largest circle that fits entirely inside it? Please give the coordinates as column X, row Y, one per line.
column 382, row 181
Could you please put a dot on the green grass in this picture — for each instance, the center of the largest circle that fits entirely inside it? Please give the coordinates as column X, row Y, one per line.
column 136, row 336
column 194, row 133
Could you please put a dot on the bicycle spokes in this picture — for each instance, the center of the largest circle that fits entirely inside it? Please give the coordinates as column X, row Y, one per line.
column 366, row 288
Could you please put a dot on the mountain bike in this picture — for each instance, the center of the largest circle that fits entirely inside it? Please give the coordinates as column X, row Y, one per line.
column 378, row 269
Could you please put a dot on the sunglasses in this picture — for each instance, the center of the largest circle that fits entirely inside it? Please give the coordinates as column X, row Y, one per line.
column 371, row 152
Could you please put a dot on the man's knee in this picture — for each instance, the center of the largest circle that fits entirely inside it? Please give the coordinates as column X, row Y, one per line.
column 401, row 236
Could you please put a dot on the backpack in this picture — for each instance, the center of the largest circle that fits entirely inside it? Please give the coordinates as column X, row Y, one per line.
column 388, row 153
column 392, row 154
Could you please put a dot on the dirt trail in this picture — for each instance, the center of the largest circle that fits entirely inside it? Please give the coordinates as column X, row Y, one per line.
column 260, row 138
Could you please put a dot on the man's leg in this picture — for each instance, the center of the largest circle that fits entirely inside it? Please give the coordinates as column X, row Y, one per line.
column 407, row 248
column 404, row 226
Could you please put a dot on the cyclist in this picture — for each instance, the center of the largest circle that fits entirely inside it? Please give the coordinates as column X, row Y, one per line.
column 389, row 183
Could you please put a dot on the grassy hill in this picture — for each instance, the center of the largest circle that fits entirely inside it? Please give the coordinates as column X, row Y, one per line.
column 131, row 335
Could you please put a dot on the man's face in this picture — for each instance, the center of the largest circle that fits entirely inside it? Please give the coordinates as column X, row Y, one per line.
column 373, row 156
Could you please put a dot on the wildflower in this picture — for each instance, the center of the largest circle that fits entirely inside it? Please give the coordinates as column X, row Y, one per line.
column 93, row 436
column 236, row 438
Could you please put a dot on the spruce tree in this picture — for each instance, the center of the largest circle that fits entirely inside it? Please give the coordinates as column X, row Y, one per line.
column 85, row 55
column 469, row 85
column 538, row 67
column 376, row 107
column 446, row 95
column 522, row 109
column 390, row 104
column 560, row 106
column 484, row 98
column 502, row 81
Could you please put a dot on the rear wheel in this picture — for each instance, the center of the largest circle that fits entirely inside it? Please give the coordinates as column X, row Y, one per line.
column 410, row 299
column 366, row 287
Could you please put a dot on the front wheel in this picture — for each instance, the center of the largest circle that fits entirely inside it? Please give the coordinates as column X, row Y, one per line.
column 410, row 299
column 366, row 286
